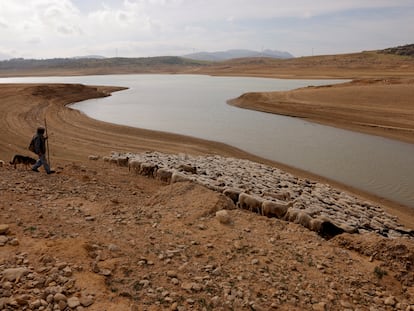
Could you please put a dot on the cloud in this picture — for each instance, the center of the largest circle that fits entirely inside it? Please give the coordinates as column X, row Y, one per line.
column 51, row 28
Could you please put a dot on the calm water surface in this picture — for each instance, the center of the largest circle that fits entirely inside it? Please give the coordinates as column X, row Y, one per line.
column 196, row 106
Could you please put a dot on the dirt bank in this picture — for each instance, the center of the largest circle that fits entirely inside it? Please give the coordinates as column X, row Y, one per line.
column 74, row 136
column 97, row 237
column 382, row 107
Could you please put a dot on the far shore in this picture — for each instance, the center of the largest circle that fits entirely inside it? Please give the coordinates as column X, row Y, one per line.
column 381, row 107
column 74, row 136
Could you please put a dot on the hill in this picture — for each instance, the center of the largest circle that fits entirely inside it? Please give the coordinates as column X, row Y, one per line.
column 369, row 64
column 231, row 54
column 79, row 66
column 405, row 50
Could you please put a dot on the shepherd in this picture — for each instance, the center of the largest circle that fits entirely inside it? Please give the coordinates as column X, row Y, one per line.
column 38, row 145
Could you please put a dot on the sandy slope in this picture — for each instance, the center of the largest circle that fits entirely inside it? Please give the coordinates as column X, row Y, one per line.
column 102, row 235
column 74, row 136
column 381, row 107
column 123, row 242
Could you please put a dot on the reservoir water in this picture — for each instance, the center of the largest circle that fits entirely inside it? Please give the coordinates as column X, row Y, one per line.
column 196, row 106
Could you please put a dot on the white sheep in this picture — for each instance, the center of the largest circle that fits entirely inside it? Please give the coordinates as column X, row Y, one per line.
column 284, row 196
column 275, row 209
column 304, row 219
column 178, row 177
column 292, row 214
column 93, row 157
column 250, row 203
column 134, row 166
column 187, row 168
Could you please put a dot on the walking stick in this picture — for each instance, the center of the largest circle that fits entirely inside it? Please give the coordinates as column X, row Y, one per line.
column 47, row 145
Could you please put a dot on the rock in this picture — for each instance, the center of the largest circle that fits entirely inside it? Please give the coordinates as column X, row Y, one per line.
column 187, row 286
column 14, row 242
column 4, row 229
column 105, row 272
column 73, row 302
column 62, row 304
column 3, row 240
column 172, row 274
column 23, row 299
column 345, row 304
column 390, row 301
column 223, row 217
column 59, row 297
column 321, row 306
column 86, row 301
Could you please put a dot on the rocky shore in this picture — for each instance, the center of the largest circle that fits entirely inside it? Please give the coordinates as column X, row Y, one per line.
column 96, row 236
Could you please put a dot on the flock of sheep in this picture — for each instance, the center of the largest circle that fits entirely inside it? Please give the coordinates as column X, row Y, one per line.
column 279, row 205
column 268, row 191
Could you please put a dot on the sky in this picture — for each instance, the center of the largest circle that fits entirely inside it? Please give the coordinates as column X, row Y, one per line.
column 142, row 28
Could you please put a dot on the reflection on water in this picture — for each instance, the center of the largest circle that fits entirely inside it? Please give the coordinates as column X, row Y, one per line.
column 196, row 106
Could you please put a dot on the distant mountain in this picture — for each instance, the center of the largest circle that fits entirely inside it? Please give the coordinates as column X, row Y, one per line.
column 230, row 54
column 89, row 57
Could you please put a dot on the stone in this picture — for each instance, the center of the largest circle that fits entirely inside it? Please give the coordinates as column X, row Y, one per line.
column 3, row 240
column 73, row 302
column 187, row 286
column 390, row 301
column 14, row 242
column 223, row 217
column 321, row 306
column 86, row 301
column 171, row 274
column 4, row 229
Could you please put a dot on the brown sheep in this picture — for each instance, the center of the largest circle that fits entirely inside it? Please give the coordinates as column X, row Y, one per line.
column 164, row 175
column 148, row 169
column 233, row 194
column 123, row 162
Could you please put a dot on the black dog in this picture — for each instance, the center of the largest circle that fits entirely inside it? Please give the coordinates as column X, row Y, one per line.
column 20, row 159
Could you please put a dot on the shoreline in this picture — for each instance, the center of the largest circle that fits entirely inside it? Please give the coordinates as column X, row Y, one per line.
column 74, row 136
column 382, row 107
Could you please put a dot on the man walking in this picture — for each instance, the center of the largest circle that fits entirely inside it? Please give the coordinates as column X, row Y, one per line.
column 39, row 146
